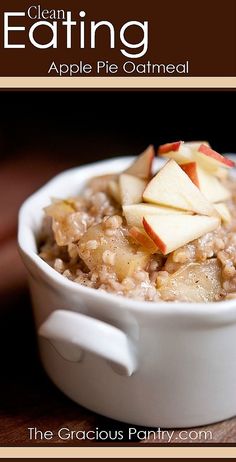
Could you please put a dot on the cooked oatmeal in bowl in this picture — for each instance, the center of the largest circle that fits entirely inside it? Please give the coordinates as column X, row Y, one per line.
column 158, row 236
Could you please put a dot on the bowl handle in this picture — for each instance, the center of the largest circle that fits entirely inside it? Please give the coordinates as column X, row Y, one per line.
column 69, row 332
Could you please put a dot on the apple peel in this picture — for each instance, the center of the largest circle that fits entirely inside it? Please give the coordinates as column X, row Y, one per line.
column 170, row 232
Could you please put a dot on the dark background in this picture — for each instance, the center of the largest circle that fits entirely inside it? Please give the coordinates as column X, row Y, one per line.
column 42, row 133
column 82, row 126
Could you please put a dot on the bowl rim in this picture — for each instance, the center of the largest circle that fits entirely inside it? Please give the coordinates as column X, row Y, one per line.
column 185, row 308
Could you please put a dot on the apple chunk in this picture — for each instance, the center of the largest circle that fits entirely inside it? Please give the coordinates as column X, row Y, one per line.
column 140, row 236
column 172, row 187
column 134, row 213
column 192, row 171
column 142, row 166
column 180, row 149
column 169, row 232
column 100, row 183
column 210, row 159
column 177, row 151
column 208, row 184
column 169, row 147
column 196, row 151
column 194, row 282
column 196, row 144
column 131, row 189
column 126, row 259
column 224, row 212
column 114, row 190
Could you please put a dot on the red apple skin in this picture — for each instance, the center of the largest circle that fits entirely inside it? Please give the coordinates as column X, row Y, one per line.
column 215, row 155
column 145, row 241
column 158, row 242
column 165, row 148
column 191, row 170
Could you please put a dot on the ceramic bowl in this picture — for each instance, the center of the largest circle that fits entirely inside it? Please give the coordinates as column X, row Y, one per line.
column 153, row 364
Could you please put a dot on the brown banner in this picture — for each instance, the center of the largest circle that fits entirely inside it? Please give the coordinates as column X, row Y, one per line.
column 165, row 38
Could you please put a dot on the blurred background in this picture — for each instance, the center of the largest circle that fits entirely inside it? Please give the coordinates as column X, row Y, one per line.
column 42, row 133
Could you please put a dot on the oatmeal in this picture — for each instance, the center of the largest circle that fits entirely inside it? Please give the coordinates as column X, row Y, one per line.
column 169, row 236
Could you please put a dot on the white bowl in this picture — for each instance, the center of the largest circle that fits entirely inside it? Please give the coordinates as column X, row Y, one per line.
column 151, row 364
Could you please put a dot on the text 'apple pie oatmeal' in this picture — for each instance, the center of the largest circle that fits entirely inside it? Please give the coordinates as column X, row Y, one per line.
column 166, row 236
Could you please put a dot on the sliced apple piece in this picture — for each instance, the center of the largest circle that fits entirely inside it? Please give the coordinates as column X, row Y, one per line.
column 185, row 152
column 169, row 232
column 210, row 159
column 131, row 189
column 142, row 166
column 208, row 184
column 172, row 187
column 114, row 190
column 220, row 172
column 191, row 170
column 194, row 282
column 211, row 187
column 177, row 151
column 169, row 147
column 224, row 212
column 196, row 144
column 134, row 213
column 141, row 237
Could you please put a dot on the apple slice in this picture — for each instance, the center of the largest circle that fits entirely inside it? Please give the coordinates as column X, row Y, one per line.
column 172, row 187
column 192, row 171
column 196, row 144
column 180, row 148
column 210, row 159
column 141, row 237
column 169, row 232
column 224, row 212
column 142, row 166
column 114, row 190
column 185, row 152
column 211, row 187
column 169, row 147
column 134, row 213
column 131, row 189
column 178, row 151
column 208, row 184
